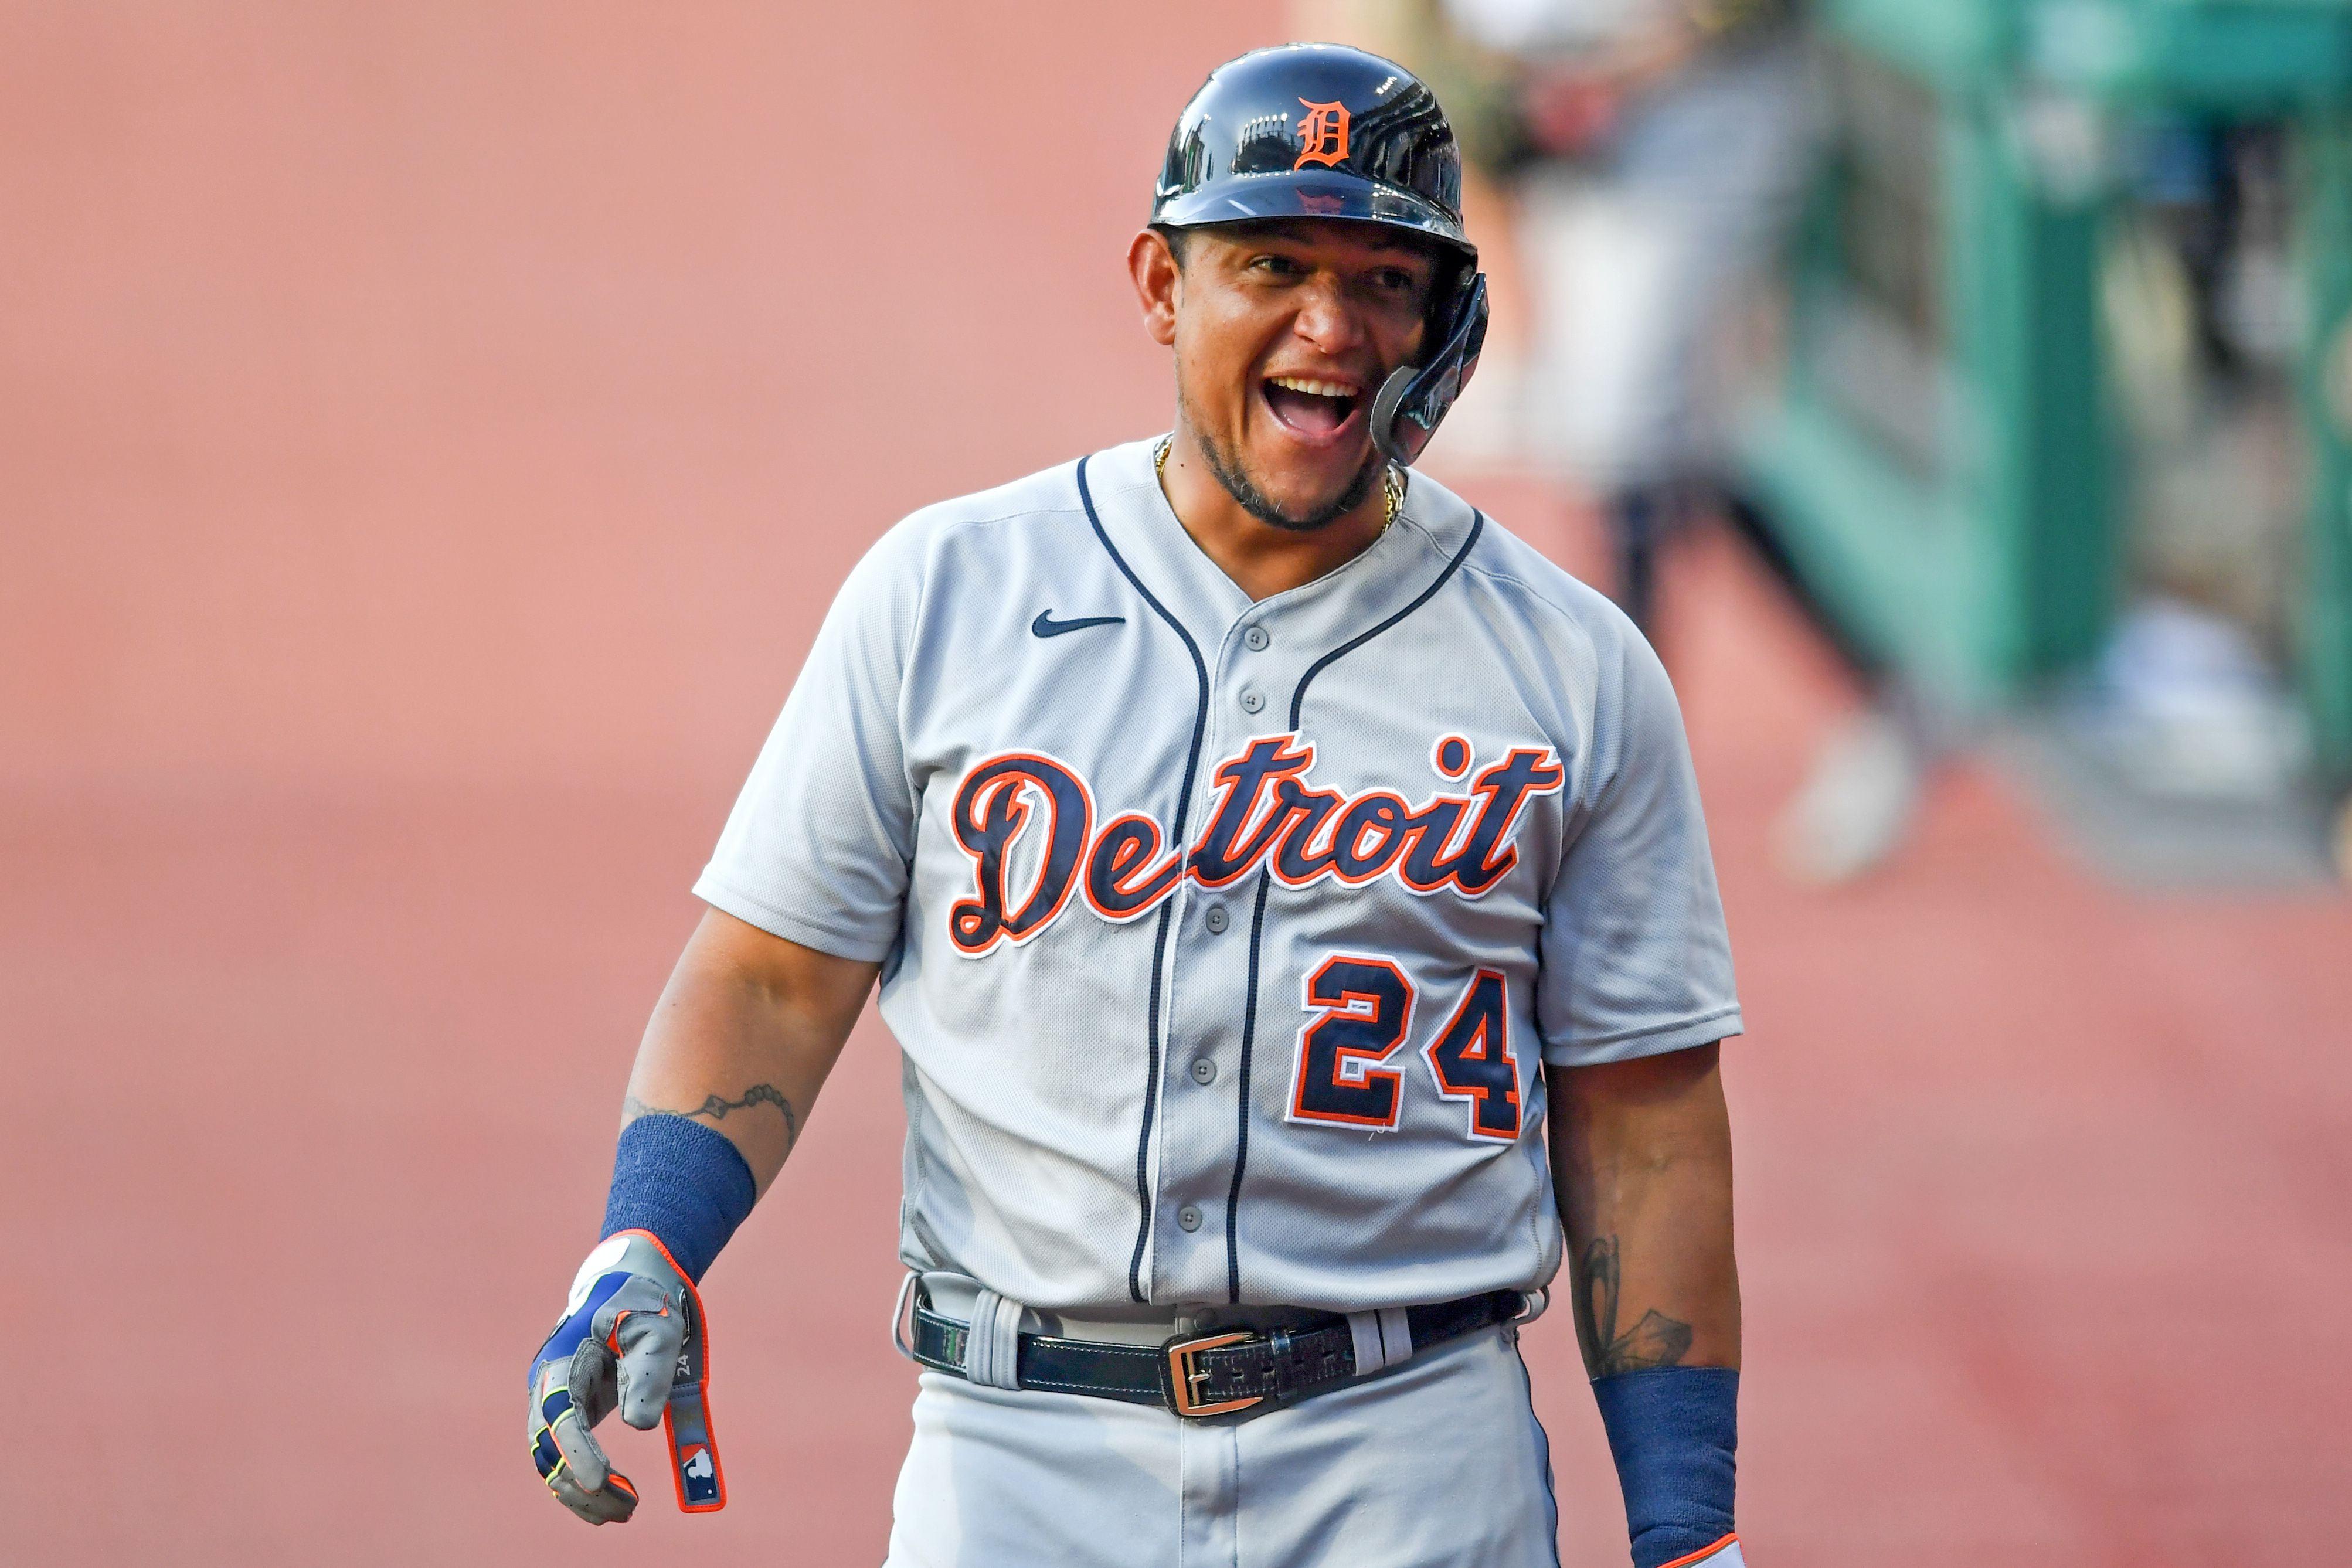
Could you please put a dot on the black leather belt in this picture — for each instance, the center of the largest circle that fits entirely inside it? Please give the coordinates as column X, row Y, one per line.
column 1214, row 1373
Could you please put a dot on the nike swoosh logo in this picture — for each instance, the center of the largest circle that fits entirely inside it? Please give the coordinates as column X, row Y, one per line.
column 1046, row 626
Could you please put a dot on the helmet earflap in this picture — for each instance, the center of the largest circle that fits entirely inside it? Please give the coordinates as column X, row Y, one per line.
column 1414, row 398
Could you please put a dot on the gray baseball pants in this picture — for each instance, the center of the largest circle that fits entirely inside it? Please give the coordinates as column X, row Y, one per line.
column 1440, row 1461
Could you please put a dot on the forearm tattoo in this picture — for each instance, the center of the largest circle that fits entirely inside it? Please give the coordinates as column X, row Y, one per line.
column 716, row 1108
column 1657, row 1340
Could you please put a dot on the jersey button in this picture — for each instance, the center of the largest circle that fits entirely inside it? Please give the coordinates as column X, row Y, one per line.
column 1255, row 639
column 1215, row 919
column 1204, row 1070
column 1188, row 1217
column 1251, row 702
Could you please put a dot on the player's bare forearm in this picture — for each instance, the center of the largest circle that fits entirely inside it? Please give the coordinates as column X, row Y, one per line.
column 744, row 1035
column 1642, row 1166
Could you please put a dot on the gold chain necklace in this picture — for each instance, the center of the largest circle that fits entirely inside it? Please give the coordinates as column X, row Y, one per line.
column 1392, row 486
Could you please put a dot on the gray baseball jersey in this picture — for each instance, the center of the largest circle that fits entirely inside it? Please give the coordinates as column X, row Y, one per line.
column 1224, row 939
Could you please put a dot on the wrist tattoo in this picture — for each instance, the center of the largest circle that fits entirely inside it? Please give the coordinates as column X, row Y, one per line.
column 716, row 1108
column 1655, row 1341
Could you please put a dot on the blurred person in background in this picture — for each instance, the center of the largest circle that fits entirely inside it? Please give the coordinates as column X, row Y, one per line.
column 1654, row 152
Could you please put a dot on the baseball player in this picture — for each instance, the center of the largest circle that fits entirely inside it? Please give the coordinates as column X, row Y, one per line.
column 1290, row 895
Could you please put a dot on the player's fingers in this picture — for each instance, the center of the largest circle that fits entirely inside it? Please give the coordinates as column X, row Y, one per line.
column 588, row 1378
column 584, row 1457
column 649, row 1346
column 641, row 1326
column 611, row 1503
column 569, row 1459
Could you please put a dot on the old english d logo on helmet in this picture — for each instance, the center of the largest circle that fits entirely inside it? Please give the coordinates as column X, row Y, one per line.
column 1323, row 135
column 1324, row 131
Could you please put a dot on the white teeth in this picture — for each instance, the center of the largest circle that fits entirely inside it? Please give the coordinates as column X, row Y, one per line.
column 1317, row 389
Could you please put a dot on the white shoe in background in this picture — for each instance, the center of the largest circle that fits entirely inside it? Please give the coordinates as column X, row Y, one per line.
column 1856, row 808
column 2186, row 708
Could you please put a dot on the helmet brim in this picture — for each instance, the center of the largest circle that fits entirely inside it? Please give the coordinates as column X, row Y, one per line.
column 1291, row 195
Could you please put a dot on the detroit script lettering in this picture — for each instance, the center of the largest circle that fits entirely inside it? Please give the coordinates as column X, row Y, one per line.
column 1264, row 811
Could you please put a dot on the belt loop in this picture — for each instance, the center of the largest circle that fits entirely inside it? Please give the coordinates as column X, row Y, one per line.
column 1396, row 1335
column 1370, row 1354
column 899, row 1314
column 992, row 1348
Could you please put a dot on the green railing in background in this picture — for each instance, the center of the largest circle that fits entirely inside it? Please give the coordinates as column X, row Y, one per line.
column 2326, row 385
column 1945, row 463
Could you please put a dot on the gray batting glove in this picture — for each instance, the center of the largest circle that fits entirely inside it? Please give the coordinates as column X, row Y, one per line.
column 632, row 1338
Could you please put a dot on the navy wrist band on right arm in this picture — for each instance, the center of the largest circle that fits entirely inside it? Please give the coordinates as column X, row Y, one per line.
column 1674, row 1432
column 686, row 1183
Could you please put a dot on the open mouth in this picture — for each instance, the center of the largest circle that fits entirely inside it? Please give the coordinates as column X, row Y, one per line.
column 1311, row 406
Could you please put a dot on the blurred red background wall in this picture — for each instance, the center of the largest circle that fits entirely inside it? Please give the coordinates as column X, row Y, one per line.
column 446, row 389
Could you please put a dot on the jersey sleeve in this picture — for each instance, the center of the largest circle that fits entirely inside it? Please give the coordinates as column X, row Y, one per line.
column 818, row 847
column 1635, row 957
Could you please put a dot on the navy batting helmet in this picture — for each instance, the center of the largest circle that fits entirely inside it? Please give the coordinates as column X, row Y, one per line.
column 1322, row 130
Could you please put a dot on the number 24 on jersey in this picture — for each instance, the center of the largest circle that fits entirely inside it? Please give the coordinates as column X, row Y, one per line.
column 1363, row 1010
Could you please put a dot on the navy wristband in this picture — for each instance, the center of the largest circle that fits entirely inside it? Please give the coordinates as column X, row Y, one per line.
column 1674, row 1432
column 684, row 1182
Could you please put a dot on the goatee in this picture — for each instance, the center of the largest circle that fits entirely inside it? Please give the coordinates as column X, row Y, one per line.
column 1227, row 471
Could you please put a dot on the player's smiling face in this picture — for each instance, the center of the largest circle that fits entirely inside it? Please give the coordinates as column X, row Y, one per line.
column 1283, row 334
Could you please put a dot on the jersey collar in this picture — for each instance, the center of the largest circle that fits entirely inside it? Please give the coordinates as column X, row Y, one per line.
column 1430, row 529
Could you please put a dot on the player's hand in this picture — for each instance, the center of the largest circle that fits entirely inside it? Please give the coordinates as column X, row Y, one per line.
column 632, row 1338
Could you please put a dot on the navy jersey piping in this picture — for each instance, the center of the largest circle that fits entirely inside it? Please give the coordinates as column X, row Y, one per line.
column 1241, row 1128
column 1257, row 917
column 1478, row 526
column 1160, row 942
